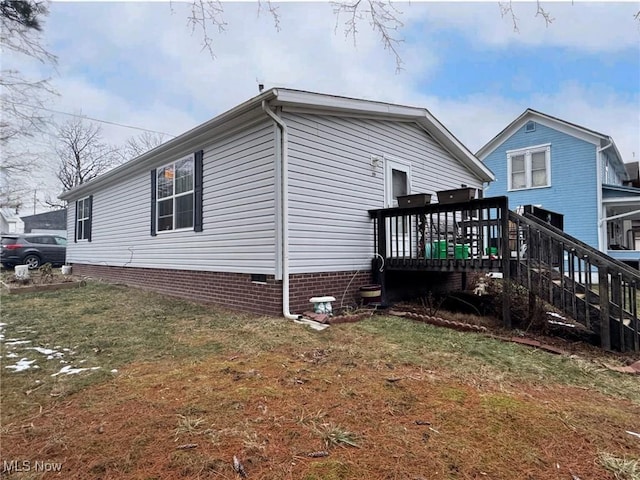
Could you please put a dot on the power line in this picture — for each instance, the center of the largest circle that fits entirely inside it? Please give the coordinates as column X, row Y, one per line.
column 95, row 119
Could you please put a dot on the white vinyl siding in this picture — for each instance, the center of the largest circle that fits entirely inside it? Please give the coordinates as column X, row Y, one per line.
column 238, row 214
column 334, row 182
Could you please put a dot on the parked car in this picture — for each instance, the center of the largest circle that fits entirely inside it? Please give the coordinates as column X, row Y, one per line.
column 32, row 249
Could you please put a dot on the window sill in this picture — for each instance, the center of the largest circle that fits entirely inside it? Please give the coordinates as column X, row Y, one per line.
column 527, row 188
column 175, row 230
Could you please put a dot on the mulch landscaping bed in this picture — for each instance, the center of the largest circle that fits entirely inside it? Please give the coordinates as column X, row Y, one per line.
column 37, row 283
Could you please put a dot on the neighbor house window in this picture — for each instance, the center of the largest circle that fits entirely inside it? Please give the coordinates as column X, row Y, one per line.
column 83, row 218
column 176, row 195
column 529, row 167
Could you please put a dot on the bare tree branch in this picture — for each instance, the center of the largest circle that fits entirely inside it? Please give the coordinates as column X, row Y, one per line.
column 273, row 11
column 82, row 154
column 206, row 13
column 506, row 10
column 21, row 101
column 20, row 98
column 541, row 12
column 144, row 142
column 383, row 17
column 20, row 27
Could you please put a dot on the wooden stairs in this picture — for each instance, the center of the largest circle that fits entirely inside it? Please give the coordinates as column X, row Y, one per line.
column 583, row 283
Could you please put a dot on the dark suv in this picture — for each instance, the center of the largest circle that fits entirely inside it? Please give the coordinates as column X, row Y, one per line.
column 32, row 249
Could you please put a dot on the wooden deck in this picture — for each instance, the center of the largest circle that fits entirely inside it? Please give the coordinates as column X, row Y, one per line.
column 485, row 236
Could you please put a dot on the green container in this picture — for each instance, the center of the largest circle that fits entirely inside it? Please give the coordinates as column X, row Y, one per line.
column 437, row 250
column 461, row 251
column 491, row 251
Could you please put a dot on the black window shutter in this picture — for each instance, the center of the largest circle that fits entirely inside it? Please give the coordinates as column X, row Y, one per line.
column 89, row 221
column 153, row 202
column 75, row 225
column 197, row 191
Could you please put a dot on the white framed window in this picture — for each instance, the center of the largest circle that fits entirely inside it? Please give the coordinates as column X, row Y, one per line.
column 529, row 167
column 175, row 195
column 83, row 218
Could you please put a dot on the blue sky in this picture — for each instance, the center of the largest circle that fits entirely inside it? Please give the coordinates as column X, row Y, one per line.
column 516, row 71
column 139, row 64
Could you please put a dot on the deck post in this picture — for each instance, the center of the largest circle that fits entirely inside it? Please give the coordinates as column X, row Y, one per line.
column 605, row 323
column 505, row 264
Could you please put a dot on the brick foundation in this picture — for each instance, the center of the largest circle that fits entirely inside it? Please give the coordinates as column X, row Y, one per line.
column 336, row 284
column 235, row 290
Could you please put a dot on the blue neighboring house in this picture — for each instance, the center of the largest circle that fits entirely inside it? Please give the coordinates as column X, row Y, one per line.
column 569, row 169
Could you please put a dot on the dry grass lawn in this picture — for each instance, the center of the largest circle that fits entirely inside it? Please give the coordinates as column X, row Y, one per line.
column 183, row 388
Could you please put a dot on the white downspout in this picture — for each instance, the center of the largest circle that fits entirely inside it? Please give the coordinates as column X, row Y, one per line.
column 602, row 227
column 284, row 160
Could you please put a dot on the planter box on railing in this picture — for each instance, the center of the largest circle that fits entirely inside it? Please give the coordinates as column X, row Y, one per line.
column 415, row 200
column 457, row 195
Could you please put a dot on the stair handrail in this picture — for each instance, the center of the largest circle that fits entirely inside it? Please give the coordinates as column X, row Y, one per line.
column 597, row 257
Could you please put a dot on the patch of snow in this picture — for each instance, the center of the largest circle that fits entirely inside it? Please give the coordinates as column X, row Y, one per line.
column 51, row 354
column 11, row 355
column 15, row 341
column 68, row 370
column 560, row 317
column 114, row 371
column 633, row 433
column 2, row 325
column 22, row 365
column 562, row 324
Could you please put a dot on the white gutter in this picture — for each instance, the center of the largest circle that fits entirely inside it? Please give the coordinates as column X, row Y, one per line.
column 284, row 187
column 602, row 230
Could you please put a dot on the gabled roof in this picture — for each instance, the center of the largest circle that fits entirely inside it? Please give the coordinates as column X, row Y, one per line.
column 293, row 99
column 9, row 215
column 600, row 140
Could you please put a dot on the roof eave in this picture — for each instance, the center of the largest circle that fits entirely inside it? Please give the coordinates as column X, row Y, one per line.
column 580, row 132
column 282, row 97
column 456, row 148
column 181, row 142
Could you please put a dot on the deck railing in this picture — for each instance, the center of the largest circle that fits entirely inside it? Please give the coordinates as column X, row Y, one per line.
column 445, row 236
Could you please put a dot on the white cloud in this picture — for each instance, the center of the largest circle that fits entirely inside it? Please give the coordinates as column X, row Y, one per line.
column 139, row 64
column 587, row 26
column 476, row 119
